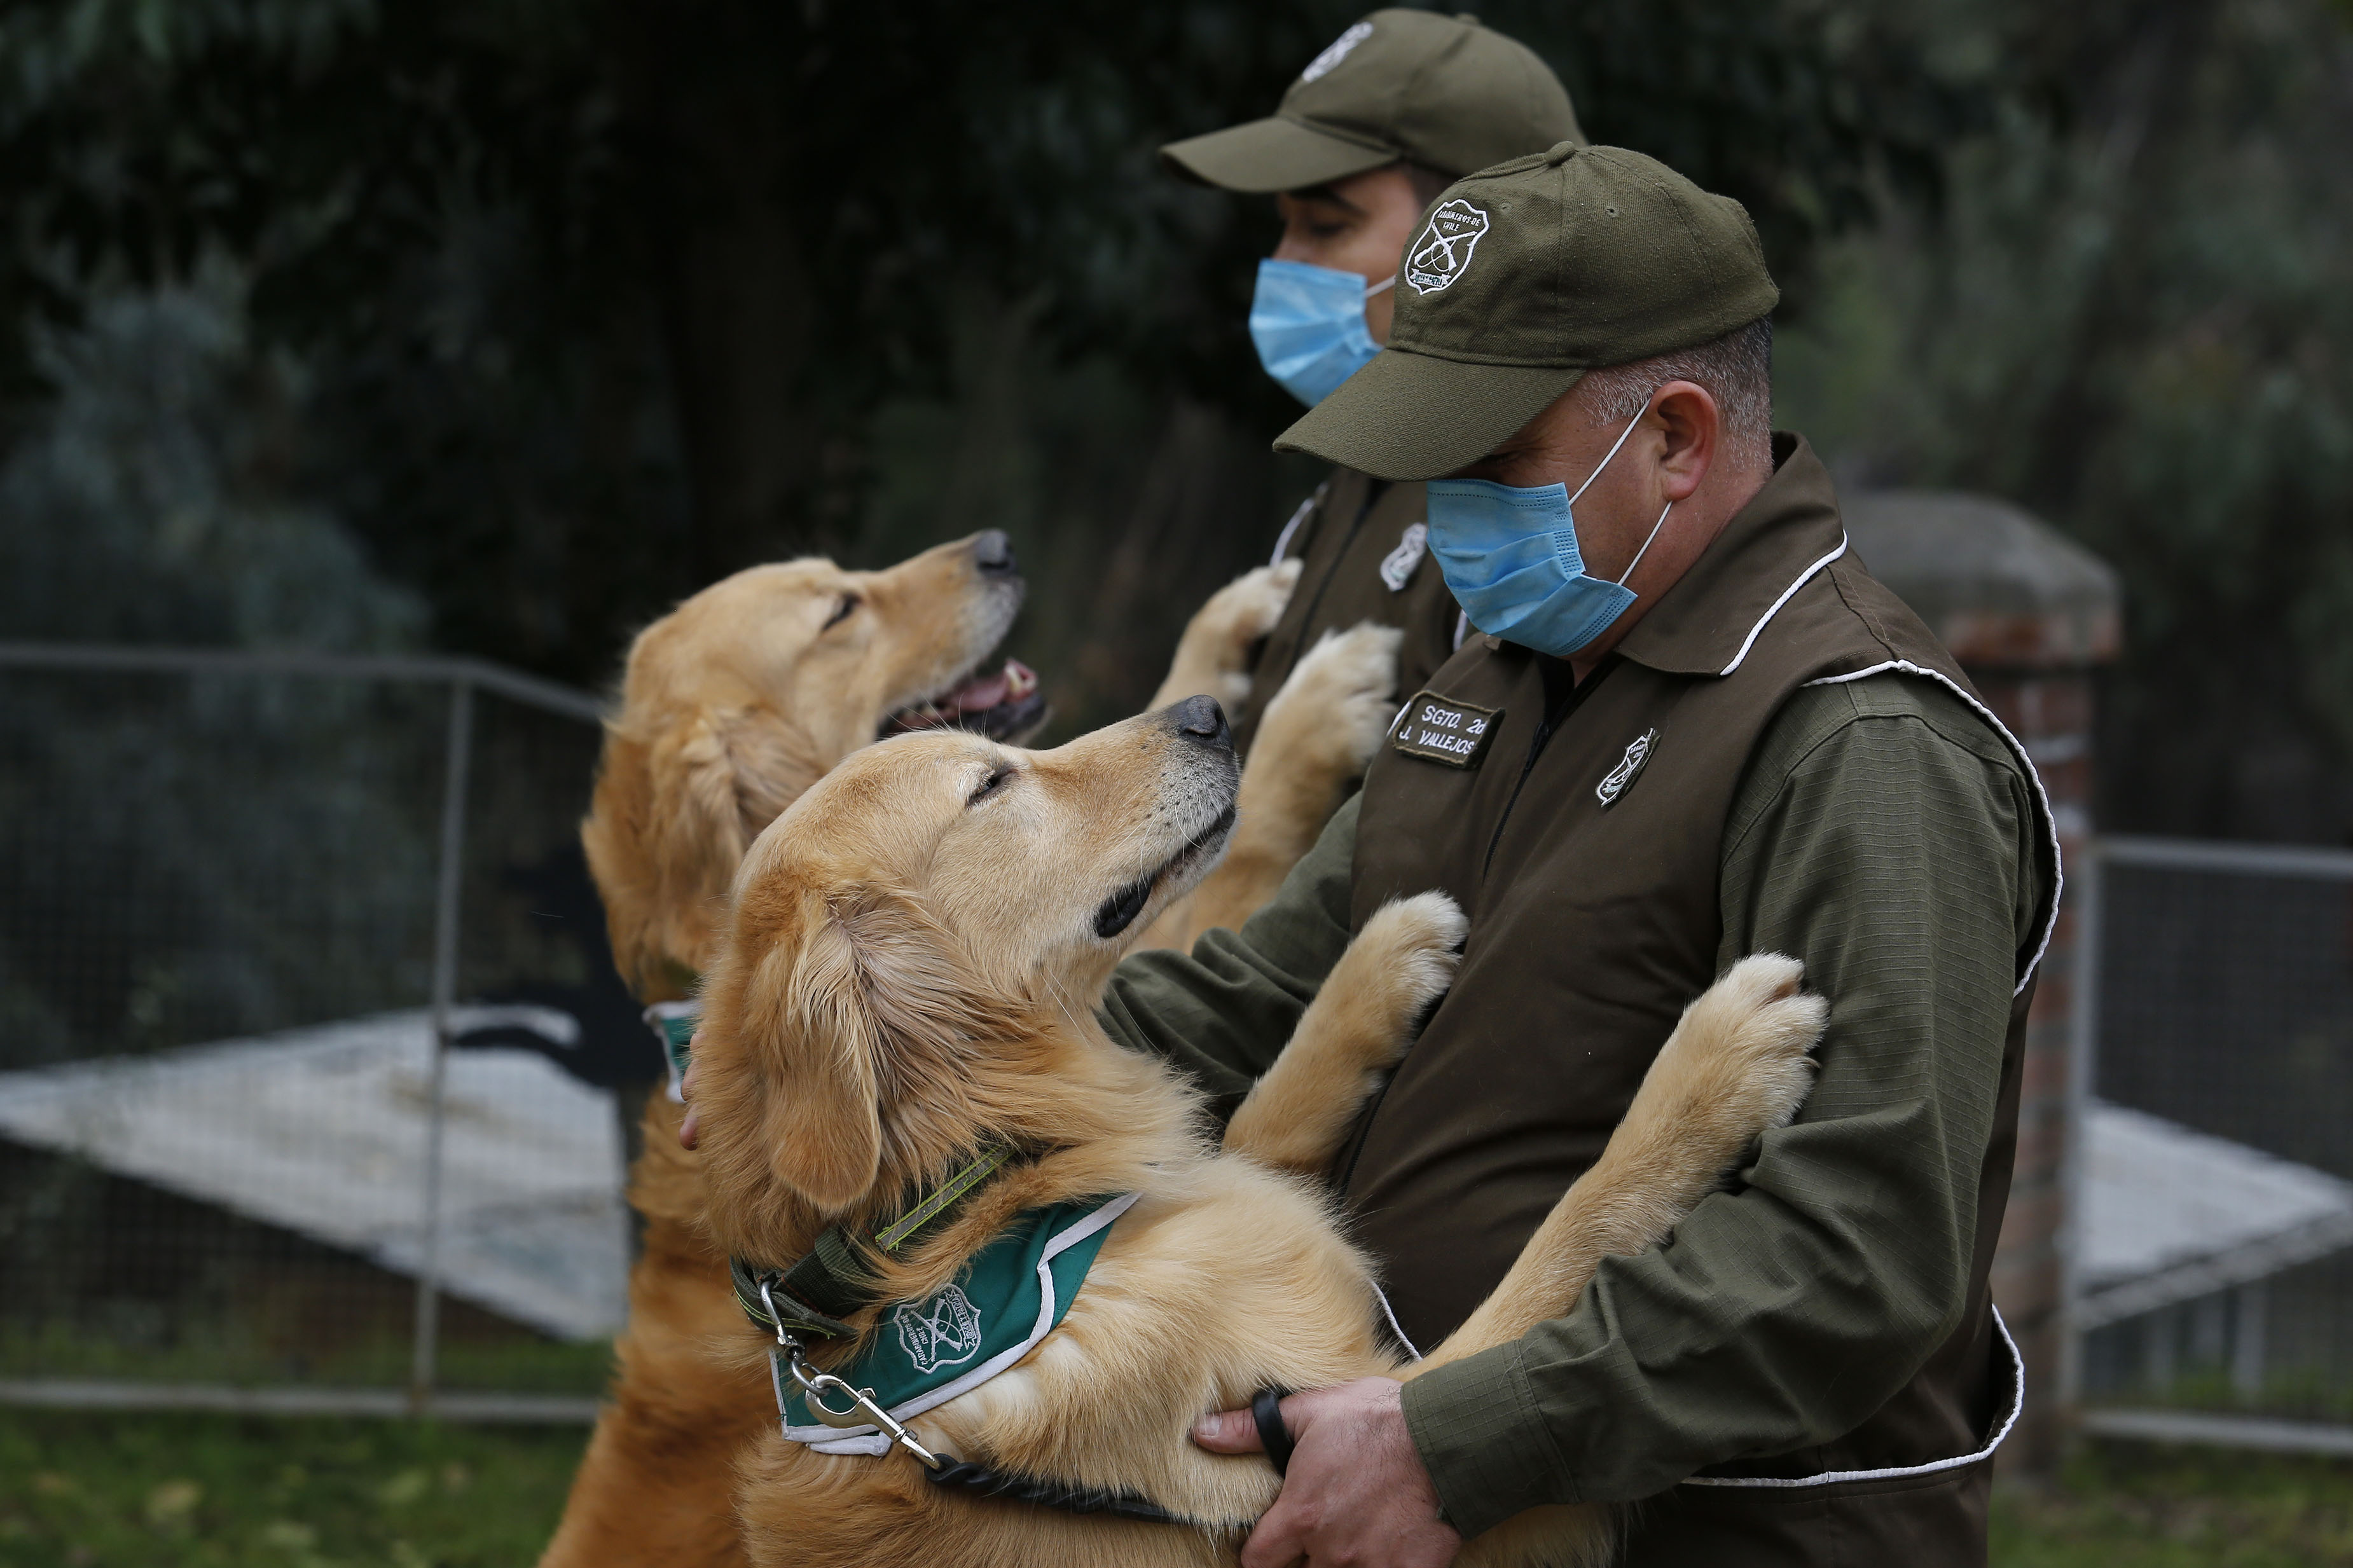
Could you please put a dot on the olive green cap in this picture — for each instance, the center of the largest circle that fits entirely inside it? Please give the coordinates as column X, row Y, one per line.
column 1523, row 278
column 1441, row 92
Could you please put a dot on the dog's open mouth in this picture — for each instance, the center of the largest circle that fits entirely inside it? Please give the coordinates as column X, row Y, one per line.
column 1119, row 911
column 1002, row 704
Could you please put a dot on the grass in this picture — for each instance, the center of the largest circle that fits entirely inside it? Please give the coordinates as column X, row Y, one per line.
column 197, row 1492
column 2130, row 1506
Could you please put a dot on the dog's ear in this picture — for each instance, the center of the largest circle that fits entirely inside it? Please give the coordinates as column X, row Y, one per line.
column 715, row 781
column 808, row 1024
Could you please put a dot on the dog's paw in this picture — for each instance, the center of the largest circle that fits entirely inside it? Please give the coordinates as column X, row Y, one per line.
column 1246, row 609
column 1410, row 948
column 1340, row 698
column 1760, row 1029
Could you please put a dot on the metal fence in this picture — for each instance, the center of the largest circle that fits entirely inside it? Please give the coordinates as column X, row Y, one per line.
column 314, row 1075
column 2211, row 1255
column 315, row 1078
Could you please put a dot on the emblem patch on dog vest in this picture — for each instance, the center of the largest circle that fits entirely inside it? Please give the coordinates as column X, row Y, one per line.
column 1444, row 249
column 1441, row 730
column 942, row 1332
column 1397, row 566
column 924, row 1353
column 1614, row 784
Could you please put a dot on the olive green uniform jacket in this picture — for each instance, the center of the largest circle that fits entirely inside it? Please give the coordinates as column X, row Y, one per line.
column 1363, row 548
column 1778, row 758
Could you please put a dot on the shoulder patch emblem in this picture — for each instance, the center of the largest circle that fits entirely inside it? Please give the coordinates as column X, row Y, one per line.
column 1441, row 730
column 1337, row 51
column 942, row 1332
column 1443, row 250
column 1397, row 566
column 1607, row 791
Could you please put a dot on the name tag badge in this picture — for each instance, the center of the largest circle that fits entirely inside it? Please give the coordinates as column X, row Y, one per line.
column 1441, row 730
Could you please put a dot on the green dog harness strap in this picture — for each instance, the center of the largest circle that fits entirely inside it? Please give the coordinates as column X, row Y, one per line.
column 673, row 1023
column 831, row 1281
column 925, row 1353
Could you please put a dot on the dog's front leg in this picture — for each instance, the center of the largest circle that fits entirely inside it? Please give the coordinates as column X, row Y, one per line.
column 1213, row 656
column 1735, row 1068
column 1358, row 1026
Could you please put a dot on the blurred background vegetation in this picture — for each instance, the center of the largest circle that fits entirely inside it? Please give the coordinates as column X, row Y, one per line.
column 497, row 326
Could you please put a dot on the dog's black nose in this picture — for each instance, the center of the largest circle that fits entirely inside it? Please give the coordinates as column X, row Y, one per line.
column 1200, row 719
column 992, row 553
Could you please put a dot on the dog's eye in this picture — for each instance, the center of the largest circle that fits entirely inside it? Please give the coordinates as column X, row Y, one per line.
column 998, row 778
column 840, row 611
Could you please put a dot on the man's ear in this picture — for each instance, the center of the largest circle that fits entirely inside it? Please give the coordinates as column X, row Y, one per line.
column 1692, row 426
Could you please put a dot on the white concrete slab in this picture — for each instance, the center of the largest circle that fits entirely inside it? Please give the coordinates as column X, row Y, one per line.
column 2171, row 1213
column 322, row 1132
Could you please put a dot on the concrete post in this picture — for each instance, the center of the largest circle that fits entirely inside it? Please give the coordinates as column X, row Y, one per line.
column 2032, row 617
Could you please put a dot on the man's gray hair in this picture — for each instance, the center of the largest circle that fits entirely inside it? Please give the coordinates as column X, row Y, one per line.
column 1736, row 369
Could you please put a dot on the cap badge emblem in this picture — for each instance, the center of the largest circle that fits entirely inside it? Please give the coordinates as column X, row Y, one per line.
column 1607, row 791
column 1397, row 566
column 1439, row 256
column 1337, row 51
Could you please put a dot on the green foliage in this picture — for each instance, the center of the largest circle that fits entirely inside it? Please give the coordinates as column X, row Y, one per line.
column 2134, row 321
column 599, row 301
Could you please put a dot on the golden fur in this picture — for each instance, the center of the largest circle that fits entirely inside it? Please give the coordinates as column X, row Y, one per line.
column 731, row 706
column 915, row 951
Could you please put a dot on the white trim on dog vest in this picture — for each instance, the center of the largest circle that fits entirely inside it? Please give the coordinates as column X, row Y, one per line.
column 921, row 1354
column 673, row 1023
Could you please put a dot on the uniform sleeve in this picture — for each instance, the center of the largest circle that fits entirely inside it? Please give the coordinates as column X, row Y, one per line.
column 1885, row 836
column 1223, row 1012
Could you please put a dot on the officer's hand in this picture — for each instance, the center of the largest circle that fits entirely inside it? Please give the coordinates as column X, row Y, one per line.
column 1356, row 1491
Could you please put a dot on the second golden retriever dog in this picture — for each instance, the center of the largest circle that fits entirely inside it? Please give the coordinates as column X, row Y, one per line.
column 731, row 706
column 905, row 996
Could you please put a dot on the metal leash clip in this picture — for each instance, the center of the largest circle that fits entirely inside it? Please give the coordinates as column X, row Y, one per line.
column 862, row 1412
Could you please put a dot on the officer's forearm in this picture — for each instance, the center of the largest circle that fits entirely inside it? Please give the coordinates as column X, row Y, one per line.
column 1222, row 1013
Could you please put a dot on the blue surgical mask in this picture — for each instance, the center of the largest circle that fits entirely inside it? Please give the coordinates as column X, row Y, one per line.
column 1511, row 557
column 1309, row 325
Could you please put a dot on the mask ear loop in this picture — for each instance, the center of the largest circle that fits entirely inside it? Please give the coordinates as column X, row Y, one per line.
column 1609, row 454
column 1646, row 545
column 1373, row 288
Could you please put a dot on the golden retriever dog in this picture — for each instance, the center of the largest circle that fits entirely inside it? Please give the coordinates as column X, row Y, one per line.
column 731, row 706
column 913, row 957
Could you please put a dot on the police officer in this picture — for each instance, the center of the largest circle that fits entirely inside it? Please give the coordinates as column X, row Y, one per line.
column 1689, row 726
column 1401, row 103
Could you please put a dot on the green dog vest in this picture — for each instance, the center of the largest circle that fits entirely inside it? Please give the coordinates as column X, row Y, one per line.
column 922, row 1355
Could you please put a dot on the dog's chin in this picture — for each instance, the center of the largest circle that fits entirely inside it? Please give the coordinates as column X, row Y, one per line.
column 1004, row 704
column 1171, row 880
